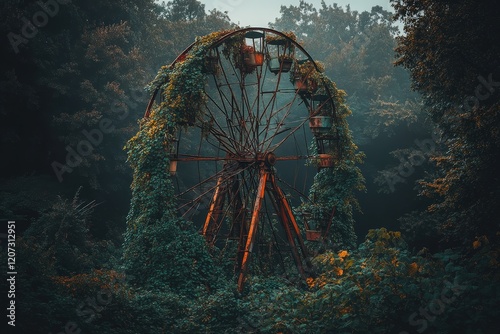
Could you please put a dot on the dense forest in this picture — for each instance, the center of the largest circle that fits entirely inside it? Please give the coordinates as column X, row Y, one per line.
column 100, row 247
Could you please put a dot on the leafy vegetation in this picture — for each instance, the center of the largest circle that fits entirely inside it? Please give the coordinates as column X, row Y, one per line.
column 85, row 264
column 463, row 101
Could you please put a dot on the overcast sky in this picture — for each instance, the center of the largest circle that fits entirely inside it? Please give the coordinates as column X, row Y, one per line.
column 258, row 13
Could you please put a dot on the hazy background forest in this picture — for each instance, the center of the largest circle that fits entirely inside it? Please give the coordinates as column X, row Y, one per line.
column 425, row 112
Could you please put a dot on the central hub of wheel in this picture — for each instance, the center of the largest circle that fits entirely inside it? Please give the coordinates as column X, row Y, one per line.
column 270, row 158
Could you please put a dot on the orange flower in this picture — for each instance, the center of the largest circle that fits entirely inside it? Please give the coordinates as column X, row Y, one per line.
column 310, row 282
column 343, row 254
column 413, row 268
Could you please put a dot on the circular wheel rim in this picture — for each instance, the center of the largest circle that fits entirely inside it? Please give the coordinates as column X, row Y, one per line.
column 244, row 124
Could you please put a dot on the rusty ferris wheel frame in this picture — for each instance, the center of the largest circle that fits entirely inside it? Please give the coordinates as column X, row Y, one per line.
column 252, row 111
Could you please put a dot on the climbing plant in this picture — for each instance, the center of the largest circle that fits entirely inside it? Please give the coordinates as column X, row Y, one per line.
column 333, row 190
column 160, row 248
column 153, row 215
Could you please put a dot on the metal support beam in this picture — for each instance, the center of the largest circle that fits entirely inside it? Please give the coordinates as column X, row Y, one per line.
column 253, row 228
column 291, row 227
column 210, row 227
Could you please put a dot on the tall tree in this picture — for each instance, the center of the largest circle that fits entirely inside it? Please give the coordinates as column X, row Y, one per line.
column 73, row 89
column 185, row 10
column 66, row 81
column 452, row 51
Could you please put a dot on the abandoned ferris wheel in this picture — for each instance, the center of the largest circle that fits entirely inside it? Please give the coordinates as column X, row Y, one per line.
column 246, row 153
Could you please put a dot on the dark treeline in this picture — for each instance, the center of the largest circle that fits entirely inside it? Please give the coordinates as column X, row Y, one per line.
column 73, row 90
column 425, row 111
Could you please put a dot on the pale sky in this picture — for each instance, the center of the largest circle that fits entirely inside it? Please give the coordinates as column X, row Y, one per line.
column 258, row 13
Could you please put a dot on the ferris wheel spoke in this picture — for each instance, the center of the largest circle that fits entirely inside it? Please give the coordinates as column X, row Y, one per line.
column 276, row 146
column 235, row 121
column 267, row 129
column 229, row 142
column 300, row 193
column 296, row 171
column 223, row 184
column 288, row 108
column 251, row 137
column 209, row 190
column 277, row 130
column 270, row 104
column 221, row 146
column 220, row 136
column 248, row 188
column 194, row 188
column 272, row 100
column 236, row 113
column 199, row 184
column 293, row 158
column 190, row 157
column 231, row 111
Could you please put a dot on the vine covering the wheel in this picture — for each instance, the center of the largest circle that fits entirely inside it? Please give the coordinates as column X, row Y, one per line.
column 182, row 86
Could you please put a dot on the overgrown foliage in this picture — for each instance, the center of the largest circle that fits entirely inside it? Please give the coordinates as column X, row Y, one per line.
column 381, row 287
column 458, row 75
column 65, row 80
